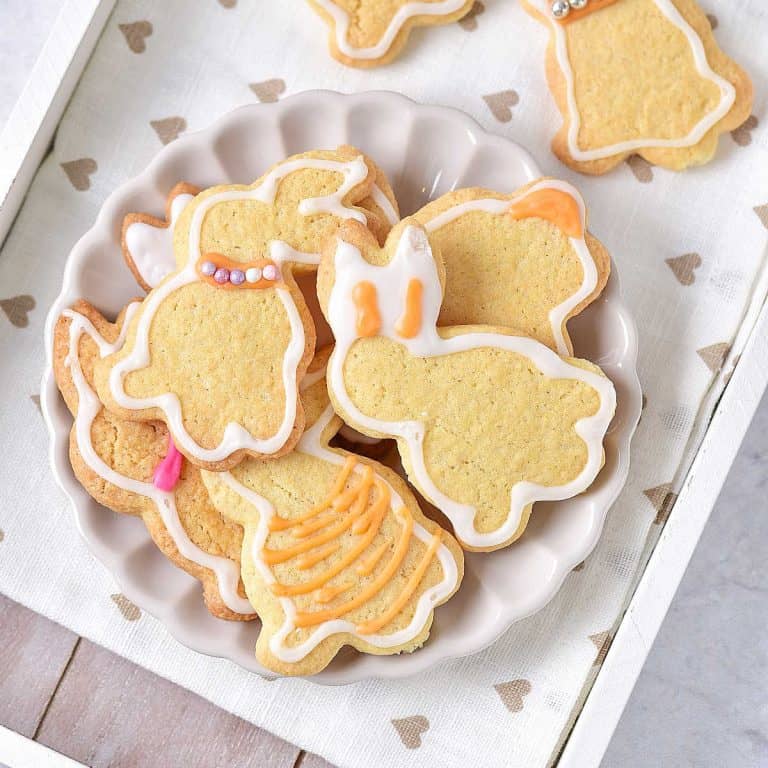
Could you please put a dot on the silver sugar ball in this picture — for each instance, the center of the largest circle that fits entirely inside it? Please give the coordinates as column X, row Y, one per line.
column 560, row 9
column 577, row 5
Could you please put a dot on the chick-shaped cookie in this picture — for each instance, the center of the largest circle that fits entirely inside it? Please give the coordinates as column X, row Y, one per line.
column 639, row 76
column 524, row 261
column 217, row 349
column 368, row 33
column 127, row 466
column 487, row 423
column 336, row 550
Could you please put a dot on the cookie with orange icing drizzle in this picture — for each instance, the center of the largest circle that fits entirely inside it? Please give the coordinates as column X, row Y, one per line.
column 131, row 467
column 219, row 345
column 487, row 423
column 525, row 260
column 642, row 77
column 336, row 550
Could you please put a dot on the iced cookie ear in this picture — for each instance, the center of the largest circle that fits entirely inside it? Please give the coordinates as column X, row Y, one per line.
column 147, row 241
column 639, row 76
column 116, row 461
column 524, row 261
column 369, row 33
column 336, row 549
column 487, row 423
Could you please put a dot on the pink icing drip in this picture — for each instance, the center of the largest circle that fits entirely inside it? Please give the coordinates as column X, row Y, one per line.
column 168, row 471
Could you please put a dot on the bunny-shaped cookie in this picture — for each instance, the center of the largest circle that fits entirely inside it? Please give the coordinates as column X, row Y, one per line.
column 218, row 347
column 114, row 459
column 487, row 423
column 639, row 76
column 336, row 550
column 524, row 261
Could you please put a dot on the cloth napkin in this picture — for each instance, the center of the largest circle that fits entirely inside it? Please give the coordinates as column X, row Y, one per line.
column 687, row 246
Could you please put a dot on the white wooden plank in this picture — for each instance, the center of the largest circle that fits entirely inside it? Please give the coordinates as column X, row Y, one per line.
column 33, row 121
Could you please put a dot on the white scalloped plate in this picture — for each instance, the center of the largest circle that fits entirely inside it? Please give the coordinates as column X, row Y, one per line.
column 425, row 151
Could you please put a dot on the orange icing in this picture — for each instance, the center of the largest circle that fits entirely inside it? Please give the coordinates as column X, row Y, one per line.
column 358, row 501
column 222, row 261
column 409, row 323
column 366, row 302
column 552, row 205
column 593, row 5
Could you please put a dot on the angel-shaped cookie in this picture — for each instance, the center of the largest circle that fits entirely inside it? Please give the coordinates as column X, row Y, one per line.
column 336, row 550
column 639, row 76
column 487, row 423
column 115, row 461
column 524, row 261
column 218, row 347
column 368, row 33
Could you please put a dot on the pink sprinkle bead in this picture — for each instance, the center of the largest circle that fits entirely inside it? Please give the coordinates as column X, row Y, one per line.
column 221, row 275
column 236, row 276
column 208, row 268
column 270, row 272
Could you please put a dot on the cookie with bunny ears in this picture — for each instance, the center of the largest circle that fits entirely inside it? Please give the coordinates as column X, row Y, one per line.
column 127, row 467
column 219, row 346
column 369, row 33
column 487, row 423
column 523, row 260
column 639, row 76
column 336, row 550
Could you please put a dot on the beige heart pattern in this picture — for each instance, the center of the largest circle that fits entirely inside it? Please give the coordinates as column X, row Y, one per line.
column 169, row 128
column 501, row 104
column 743, row 134
column 602, row 641
column 227, row 3
column 513, row 692
column 410, row 729
column 469, row 22
column 762, row 214
column 79, row 172
column 136, row 34
column 713, row 22
column 714, row 355
column 684, row 267
column 130, row 611
column 663, row 498
column 2, row 534
column 268, row 91
column 36, row 400
column 17, row 309
column 642, row 169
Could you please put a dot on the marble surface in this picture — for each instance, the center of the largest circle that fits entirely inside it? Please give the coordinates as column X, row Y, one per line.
column 701, row 699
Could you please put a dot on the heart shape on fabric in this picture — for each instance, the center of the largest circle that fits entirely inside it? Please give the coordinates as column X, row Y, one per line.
column 130, row 611
column 79, row 172
column 513, row 692
column 469, row 22
column 169, row 128
column 17, row 309
column 268, row 91
column 642, row 169
column 684, row 267
column 409, row 729
column 136, row 34
column 501, row 104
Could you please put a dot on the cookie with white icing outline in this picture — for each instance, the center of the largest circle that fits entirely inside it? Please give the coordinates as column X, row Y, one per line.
column 116, row 461
column 639, row 76
column 218, row 348
column 487, row 423
column 369, row 33
column 336, row 550
column 523, row 260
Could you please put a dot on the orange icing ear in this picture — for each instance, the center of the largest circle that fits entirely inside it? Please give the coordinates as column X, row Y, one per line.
column 409, row 323
column 593, row 5
column 553, row 205
column 367, row 304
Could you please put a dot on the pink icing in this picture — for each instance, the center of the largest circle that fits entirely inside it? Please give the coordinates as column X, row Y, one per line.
column 168, row 471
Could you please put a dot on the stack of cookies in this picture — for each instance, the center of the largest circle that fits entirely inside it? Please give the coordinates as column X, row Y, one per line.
column 283, row 313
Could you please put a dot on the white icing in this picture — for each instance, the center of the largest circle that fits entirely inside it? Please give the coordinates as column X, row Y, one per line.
column 413, row 259
column 235, row 436
column 88, row 407
column 405, row 12
column 558, row 314
column 668, row 8
column 385, row 204
column 151, row 247
column 311, row 444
